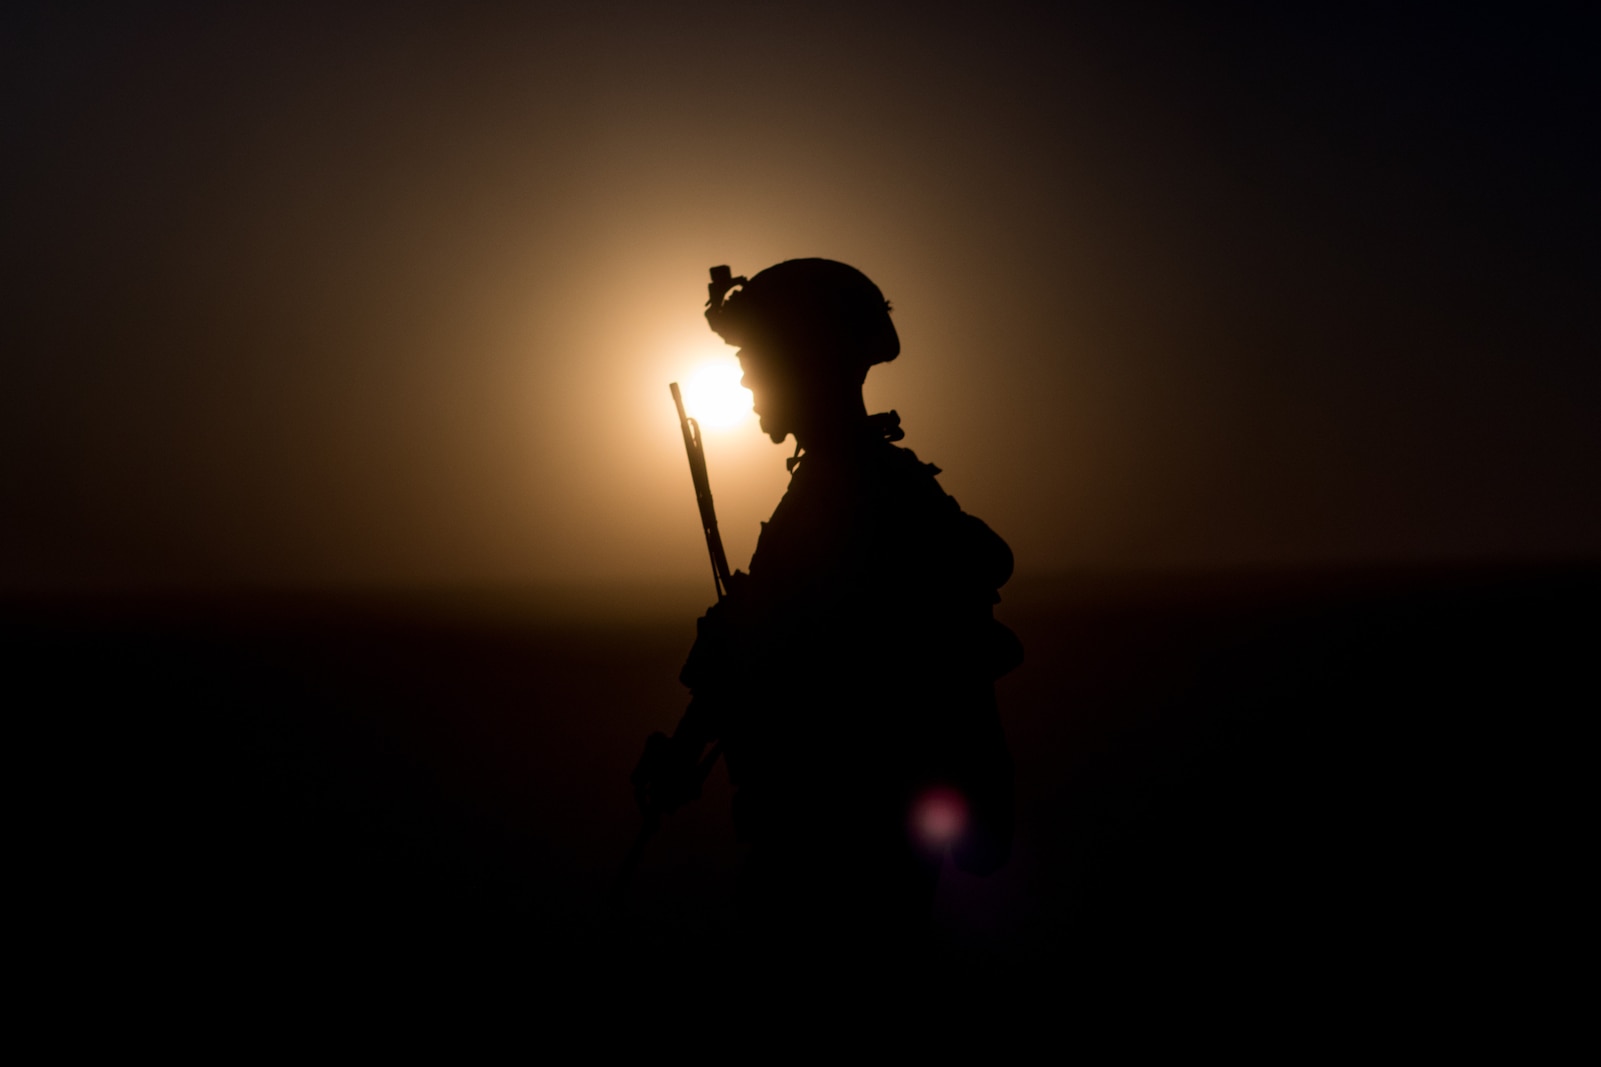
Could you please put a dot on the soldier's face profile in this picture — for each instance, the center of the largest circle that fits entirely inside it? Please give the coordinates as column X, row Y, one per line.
column 768, row 395
column 792, row 393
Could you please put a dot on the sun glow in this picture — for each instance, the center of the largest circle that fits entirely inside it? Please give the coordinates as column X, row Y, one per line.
column 714, row 397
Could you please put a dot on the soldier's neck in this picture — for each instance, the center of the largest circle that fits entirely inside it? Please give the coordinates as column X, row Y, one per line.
column 840, row 428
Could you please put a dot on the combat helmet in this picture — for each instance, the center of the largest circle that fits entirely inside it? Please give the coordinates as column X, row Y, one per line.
column 805, row 309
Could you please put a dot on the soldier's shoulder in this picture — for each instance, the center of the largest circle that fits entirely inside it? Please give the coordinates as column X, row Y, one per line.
column 902, row 466
column 965, row 536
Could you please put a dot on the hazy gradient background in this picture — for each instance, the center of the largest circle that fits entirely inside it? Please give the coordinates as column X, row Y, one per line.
column 303, row 293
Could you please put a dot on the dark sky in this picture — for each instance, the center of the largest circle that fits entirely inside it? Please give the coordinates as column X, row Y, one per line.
column 391, row 294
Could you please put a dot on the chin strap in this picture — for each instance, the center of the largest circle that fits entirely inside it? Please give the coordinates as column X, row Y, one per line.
column 789, row 464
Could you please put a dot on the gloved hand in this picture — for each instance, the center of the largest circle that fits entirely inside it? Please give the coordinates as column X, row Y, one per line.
column 668, row 774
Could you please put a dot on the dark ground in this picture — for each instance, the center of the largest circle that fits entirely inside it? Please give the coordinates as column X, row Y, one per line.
column 1271, row 780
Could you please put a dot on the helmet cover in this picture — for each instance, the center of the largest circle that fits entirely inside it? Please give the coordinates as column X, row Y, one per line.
column 811, row 309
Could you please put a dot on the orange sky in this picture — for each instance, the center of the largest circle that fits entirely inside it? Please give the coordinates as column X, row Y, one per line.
column 394, row 297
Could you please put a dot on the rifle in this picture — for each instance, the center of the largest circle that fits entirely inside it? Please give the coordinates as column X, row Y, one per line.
column 703, row 493
column 658, row 742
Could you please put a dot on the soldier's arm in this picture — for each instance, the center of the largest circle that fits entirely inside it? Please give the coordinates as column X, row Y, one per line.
column 701, row 724
column 673, row 766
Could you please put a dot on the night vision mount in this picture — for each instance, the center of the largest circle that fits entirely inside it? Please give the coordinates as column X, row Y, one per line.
column 722, row 281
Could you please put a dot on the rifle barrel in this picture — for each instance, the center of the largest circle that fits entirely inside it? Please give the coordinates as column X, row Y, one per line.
column 696, row 450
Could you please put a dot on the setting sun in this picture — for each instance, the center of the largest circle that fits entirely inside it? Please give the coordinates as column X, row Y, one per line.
column 714, row 397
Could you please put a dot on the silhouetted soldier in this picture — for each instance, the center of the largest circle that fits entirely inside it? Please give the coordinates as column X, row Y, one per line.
column 849, row 677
